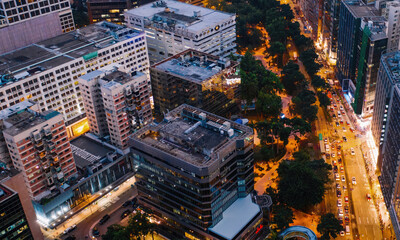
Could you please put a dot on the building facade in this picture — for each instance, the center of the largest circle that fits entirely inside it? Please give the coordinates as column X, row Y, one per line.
column 40, row 149
column 391, row 13
column 111, row 11
column 193, row 168
column 117, row 103
column 13, row 222
column 26, row 22
column 47, row 72
column 362, row 40
column 172, row 27
column 197, row 79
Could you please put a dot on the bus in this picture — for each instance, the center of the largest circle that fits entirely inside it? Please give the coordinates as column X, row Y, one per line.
column 321, row 143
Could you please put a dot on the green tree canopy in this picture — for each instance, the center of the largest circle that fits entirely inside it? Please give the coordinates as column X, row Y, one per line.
column 277, row 49
column 319, row 82
column 329, row 226
column 292, row 78
column 324, row 100
column 308, row 58
column 270, row 105
column 283, row 216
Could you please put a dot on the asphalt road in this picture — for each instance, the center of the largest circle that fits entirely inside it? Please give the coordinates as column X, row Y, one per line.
column 114, row 210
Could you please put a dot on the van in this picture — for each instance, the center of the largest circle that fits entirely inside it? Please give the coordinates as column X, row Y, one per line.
column 347, row 230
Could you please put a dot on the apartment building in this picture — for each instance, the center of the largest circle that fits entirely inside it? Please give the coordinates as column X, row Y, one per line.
column 47, row 72
column 195, row 78
column 172, row 27
column 39, row 148
column 196, row 169
column 116, row 102
column 26, row 22
column 391, row 12
column 13, row 222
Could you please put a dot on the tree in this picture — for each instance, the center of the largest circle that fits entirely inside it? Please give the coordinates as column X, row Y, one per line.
column 301, row 155
column 299, row 186
column 319, row 83
column 248, row 87
column 329, row 226
column 291, row 78
column 302, row 42
column 283, row 216
column 303, row 105
column 270, row 105
column 324, row 100
column 308, row 58
column 116, row 232
column 277, row 49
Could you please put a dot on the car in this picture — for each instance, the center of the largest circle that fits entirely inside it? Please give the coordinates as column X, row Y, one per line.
column 335, row 169
column 104, row 219
column 337, row 124
column 368, row 197
column 341, row 121
column 96, row 232
column 346, row 219
column 334, row 163
column 344, row 129
column 342, row 233
column 125, row 214
column 339, row 147
column 340, row 160
column 346, row 199
column 340, row 220
column 351, row 129
column 340, row 212
column 352, row 151
column 341, row 107
column 337, row 177
column 339, row 114
column 334, row 116
column 339, row 153
column 341, row 169
column 339, row 202
column 338, row 186
column 328, row 156
column 343, row 178
column 347, row 122
column 338, row 193
column 70, row 229
column 346, row 209
column 333, row 155
column 344, row 188
column 325, row 140
column 335, row 105
column 345, row 139
column 353, row 180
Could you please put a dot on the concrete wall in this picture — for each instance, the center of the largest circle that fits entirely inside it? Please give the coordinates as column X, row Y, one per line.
column 35, row 30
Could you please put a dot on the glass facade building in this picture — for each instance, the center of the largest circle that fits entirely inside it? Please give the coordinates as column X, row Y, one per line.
column 13, row 222
column 192, row 167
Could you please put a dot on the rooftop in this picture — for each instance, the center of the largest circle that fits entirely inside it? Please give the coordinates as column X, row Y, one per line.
column 193, row 18
column 193, row 135
column 359, row 9
column 236, row 217
column 392, row 62
column 38, row 57
column 377, row 27
column 87, row 151
column 193, row 65
column 27, row 119
column 5, row 193
column 15, row 109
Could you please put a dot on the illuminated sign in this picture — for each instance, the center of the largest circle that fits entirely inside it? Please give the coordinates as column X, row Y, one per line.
column 259, row 228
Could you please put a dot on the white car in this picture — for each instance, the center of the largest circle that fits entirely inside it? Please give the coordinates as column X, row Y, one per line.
column 343, row 178
column 337, row 177
column 333, row 155
column 352, row 151
column 339, row 202
column 353, row 180
column 341, row 107
column 340, row 211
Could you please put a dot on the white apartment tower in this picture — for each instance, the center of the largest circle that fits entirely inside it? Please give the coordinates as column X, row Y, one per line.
column 172, row 27
column 117, row 103
column 47, row 72
column 392, row 15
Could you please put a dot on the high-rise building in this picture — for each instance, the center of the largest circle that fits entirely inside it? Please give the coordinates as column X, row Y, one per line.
column 388, row 77
column 47, row 72
column 111, row 10
column 26, row 22
column 196, row 169
column 13, row 222
column 117, row 103
column 40, row 149
column 330, row 26
column 172, row 27
column 312, row 13
column 197, row 79
column 391, row 14
column 362, row 40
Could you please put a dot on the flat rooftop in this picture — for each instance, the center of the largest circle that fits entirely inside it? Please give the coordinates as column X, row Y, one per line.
column 236, row 217
column 87, row 151
column 192, row 65
column 5, row 193
column 15, row 109
column 392, row 62
column 378, row 28
column 193, row 135
column 359, row 9
column 27, row 119
column 179, row 12
column 50, row 53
